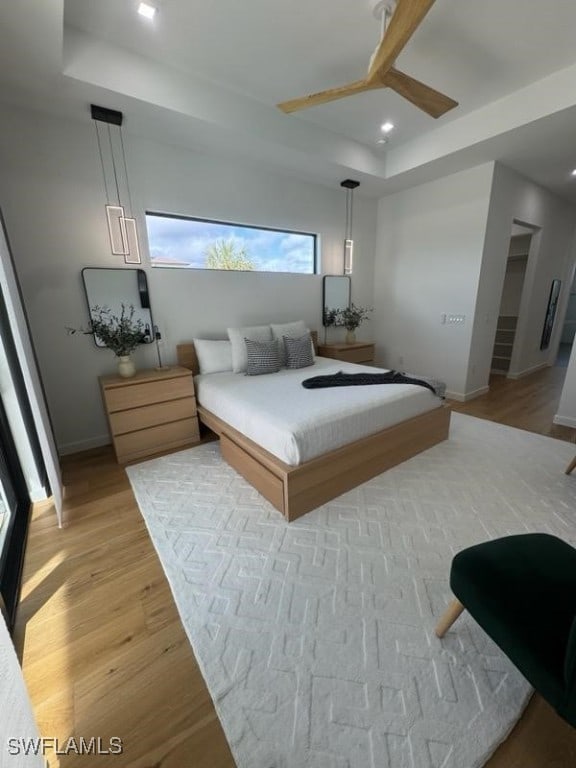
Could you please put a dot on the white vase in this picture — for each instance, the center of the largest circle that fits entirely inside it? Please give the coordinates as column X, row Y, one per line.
column 350, row 337
column 126, row 367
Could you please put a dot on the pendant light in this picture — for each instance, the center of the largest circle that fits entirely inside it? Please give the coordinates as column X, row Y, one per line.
column 350, row 185
column 121, row 228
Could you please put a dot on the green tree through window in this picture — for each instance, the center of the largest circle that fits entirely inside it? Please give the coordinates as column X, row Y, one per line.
column 226, row 254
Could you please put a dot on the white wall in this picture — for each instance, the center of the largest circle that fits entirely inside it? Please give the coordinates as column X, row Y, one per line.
column 429, row 252
column 51, row 192
column 551, row 256
column 443, row 247
column 566, row 414
column 569, row 327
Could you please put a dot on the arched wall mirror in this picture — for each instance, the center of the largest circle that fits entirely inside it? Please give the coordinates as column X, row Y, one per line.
column 335, row 292
column 114, row 287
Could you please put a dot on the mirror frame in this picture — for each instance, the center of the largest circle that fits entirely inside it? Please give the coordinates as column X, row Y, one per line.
column 341, row 277
column 550, row 313
column 143, row 292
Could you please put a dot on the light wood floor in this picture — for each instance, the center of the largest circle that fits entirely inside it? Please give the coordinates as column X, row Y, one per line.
column 104, row 652
column 528, row 403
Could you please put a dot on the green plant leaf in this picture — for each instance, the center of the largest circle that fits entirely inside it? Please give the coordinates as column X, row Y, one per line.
column 122, row 334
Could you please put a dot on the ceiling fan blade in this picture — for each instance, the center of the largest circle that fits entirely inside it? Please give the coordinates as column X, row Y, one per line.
column 422, row 96
column 402, row 25
column 323, row 97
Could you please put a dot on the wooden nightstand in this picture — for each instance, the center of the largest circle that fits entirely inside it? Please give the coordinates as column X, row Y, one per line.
column 150, row 412
column 359, row 352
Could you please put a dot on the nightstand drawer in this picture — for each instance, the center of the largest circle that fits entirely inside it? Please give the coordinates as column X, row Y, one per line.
column 135, row 395
column 358, row 352
column 152, row 415
column 364, row 355
column 133, row 445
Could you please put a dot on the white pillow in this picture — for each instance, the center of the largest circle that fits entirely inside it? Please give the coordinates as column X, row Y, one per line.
column 294, row 330
column 237, row 336
column 213, row 356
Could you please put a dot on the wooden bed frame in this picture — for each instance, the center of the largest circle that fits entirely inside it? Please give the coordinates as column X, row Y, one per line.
column 295, row 490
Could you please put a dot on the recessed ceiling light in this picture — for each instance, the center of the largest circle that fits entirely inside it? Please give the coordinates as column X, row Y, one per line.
column 147, row 10
column 574, row 172
column 387, row 127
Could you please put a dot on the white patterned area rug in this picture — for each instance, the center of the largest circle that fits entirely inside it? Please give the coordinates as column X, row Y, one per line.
column 316, row 638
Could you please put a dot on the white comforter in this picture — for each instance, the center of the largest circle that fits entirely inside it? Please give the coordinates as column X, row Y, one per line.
column 297, row 424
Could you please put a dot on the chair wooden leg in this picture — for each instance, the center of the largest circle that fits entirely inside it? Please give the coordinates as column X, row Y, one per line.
column 571, row 466
column 449, row 617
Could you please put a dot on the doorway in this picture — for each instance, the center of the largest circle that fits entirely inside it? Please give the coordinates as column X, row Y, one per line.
column 568, row 330
column 511, row 299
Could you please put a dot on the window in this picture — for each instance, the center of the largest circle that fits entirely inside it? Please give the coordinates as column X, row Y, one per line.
column 177, row 241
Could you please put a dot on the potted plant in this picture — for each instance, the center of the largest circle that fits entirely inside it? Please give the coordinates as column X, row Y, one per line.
column 329, row 319
column 351, row 318
column 122, row 334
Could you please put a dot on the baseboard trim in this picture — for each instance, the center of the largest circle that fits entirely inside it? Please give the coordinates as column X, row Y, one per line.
column 528, row 371
column 564, row 421
column 83, row 445
column 39, row 495
column 463, row 397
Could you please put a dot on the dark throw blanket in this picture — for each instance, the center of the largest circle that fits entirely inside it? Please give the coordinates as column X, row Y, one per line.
column 342, row 379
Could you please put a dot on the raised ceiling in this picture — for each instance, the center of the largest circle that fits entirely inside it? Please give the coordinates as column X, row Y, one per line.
column 208, row 73
column 476, row 52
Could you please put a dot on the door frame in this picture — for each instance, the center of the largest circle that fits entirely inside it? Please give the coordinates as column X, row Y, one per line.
column 12, row 554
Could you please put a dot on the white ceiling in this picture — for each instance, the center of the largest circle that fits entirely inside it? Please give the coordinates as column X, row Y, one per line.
column 272, row 51
column 210, row 73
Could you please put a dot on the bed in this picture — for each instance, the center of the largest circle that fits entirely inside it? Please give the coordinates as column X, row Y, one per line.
column 300, row 448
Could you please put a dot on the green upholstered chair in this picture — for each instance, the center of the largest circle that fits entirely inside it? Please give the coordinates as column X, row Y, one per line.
column 522, row 591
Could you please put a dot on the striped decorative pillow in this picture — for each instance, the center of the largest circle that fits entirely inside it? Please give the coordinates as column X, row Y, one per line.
column 263, row 357
column 294, row 330
column 298, row 351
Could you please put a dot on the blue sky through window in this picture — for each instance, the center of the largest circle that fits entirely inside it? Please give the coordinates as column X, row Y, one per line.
column 180, row 242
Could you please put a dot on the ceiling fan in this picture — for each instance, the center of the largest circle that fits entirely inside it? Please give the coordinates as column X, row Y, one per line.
column 398, row 26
